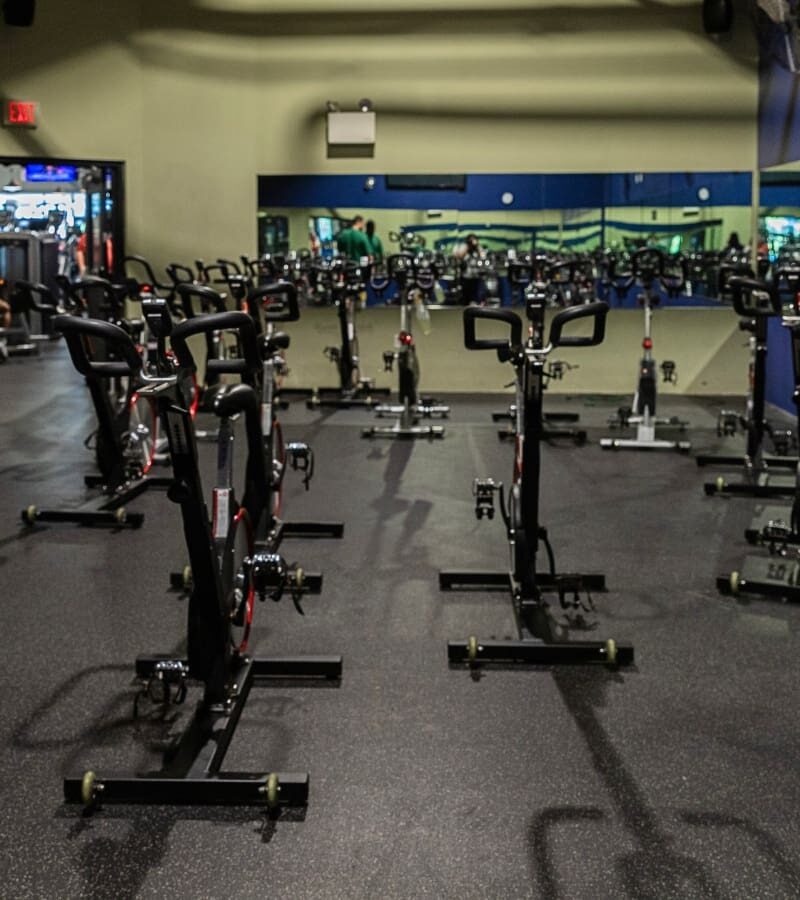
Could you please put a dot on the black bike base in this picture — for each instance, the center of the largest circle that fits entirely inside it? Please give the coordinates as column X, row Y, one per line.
column 763, row 484
column 765, row 519
column 311, row 530
column 537, row 653
column 338, row 399
column 548, row 416
column 228, row 788
column 738, row 462
column 768, row 576
column 400, row 432
column 530, row 648
column 192, row 773
column 105, row 510
column 578, row 435
column 160, row 482
column 453, row 580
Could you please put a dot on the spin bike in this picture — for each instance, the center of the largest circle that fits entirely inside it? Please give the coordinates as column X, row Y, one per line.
column 345, row 281
column 647, row 266
column 540, row 639
column 26, row 300
column 755, row 302
column 124, row 441
column 778, row 528
column 413, row 278
column 522, row 277
column 231, row 569
column 259, row 369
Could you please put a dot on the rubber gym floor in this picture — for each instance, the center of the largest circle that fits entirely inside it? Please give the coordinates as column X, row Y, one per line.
column 676, row 778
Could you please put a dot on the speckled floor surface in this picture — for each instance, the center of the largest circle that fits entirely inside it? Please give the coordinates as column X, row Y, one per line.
column 678, row 778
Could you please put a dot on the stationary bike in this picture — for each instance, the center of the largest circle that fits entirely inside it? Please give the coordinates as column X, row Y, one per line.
column 231, row 568
column 526, row 277
column 27, row 300
column 755, row 302
column 647, row 266
column 540, row 638
column 124, row 441
column 411, row 278
column 778, row 528
column 344, row 280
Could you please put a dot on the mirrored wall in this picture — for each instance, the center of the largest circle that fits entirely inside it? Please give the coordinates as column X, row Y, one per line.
column 578, row 230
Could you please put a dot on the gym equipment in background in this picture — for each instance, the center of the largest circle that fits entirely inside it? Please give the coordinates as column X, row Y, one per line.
column 776, row 575
column 755, row 302
column 344, row 281
column 28, row 301
column 125, row 439
column 540, row 639
column 647, row 266
column 231, row 569
column 524, row 277
column 413, row 276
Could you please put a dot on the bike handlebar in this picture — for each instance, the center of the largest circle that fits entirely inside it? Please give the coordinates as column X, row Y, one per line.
column 753, row 298
column 204, row 293
column 278, row 301
column 75, row 329
column 240, row 322
column 598, row 310
column 472, row 342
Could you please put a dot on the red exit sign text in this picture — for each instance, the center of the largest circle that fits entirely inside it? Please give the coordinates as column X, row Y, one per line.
column 21, row 113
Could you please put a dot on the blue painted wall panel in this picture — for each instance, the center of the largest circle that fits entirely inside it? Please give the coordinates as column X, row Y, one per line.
column 579, row 191
column 780, row 377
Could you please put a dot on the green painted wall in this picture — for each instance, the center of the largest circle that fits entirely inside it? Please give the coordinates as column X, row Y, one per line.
column 198, row 98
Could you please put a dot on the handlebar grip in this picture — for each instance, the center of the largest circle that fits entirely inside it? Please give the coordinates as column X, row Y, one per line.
column 203, row 292
column 75, row 329
column 231, row 265
column 598, row 310
column 520, row 273
column 395, row 258
column 473, row 313
column 239, row 322
column 753, row 298
column 180, row 274
column 268, row 298
column 653, row 252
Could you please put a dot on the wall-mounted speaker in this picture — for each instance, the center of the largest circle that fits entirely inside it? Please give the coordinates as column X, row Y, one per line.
column 717, row 16
column 19, row 12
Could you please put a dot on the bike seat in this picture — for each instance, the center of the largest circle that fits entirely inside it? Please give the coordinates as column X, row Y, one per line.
column 273, row 343
column 235, row 398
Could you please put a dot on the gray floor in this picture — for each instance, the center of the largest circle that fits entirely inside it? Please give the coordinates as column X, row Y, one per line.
column 675, row 779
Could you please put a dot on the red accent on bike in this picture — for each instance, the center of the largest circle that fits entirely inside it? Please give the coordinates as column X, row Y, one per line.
column 517, row 460
column 242, row 517
column 647, row 343
column 153, row 431
column 146, row 289
column 195, row 397
column 406, row 338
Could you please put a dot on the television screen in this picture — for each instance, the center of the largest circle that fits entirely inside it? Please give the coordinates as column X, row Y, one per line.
column 47, row 172
column 426, row 182
column 779, row 231
column 324, row 228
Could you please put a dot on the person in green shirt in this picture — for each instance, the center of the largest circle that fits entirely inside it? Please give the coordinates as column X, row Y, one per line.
column 375, row 242
column 352, row 242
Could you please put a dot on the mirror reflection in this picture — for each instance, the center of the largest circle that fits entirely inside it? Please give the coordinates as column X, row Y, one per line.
column 484, row 238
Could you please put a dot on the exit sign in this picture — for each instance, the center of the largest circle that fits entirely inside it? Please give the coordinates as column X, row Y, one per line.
column 20, row 113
